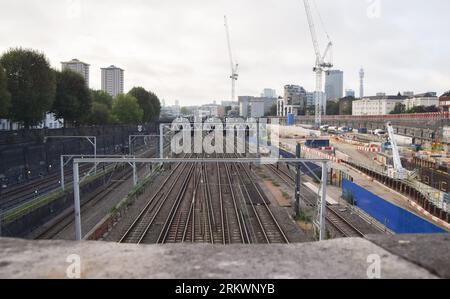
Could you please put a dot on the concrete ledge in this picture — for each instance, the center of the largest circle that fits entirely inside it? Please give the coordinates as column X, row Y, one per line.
column 341, row 258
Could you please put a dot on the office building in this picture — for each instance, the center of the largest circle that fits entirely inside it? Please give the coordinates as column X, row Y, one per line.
column 269, row 93
column 334, row 85
column 294, row 101
column 376, row 105
column 255, row 106
column 425, row 99
column 444, row 102
column 349, row 93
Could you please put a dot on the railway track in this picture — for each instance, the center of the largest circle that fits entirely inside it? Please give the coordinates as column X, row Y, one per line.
column 140, row 227
column 184, row 210
column 66, row 219
column 19, row 195
column 333, row 217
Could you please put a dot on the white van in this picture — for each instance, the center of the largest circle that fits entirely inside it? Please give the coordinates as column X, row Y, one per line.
column 332, row 130
column 379, row 132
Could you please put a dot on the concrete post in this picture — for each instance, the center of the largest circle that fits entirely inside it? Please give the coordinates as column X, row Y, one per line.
column 135, row 180
column 76, row 194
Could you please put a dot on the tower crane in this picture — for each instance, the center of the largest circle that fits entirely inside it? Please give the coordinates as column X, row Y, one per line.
column 234, row 66
column 321, row 65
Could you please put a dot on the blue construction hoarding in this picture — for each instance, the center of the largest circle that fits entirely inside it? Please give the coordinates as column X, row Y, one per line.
column 395, row 218
column 291, row 119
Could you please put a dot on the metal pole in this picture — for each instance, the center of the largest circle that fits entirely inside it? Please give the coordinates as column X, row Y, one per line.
column 323, row 202
column 1, row 221
column 95, row 152
column 134, row 175
column 129, row 145
column 161, row 141
column 62, row 172
column 76, row 195
column 257, row 138
column 298, row 182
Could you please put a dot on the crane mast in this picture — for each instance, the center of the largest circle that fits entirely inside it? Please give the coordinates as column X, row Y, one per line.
column 398, row 172
column 234, row 66
column 320, row 65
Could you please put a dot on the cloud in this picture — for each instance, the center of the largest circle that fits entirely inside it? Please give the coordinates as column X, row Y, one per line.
column 178, row 48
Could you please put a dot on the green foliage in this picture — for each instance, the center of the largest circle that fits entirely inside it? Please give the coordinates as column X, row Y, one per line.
column 345, row 105
column 423, row 109
column 31, row 83
column 302, row 217
column 73, row 98
column 185, row 111
column 148, row 102
column 156, row 105
column 273, row 110
column 332, row 108
column 100, row 114
column 399, row 109
column 126, row 109
column 101, row 97
column 5, row 96
column 144, row 100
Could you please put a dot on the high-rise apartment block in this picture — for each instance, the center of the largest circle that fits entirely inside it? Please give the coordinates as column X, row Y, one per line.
column 78, row 67
column 112, row 80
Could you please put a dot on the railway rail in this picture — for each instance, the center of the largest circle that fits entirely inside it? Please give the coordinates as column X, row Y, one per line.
column 20, row 195
column 65, row 219
column 183, row 209
column 333, row 217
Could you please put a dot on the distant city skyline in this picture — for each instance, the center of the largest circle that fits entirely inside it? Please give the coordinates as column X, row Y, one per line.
column 178, row 48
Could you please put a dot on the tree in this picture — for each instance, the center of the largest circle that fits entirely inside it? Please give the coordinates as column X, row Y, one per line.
column 145, row 102
column 101, row 97
column 399, row 109
column 422, row 109
column 100, row 114
column 31, row 83
column 5, row 96
column 73, row 98
column 126, row 109
column 102, row 104
column 184, row 111
column 273, row 110
column 156, row 103
column 346, row 105
column 332, row 108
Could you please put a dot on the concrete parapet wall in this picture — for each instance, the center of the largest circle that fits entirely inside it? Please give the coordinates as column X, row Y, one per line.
column 396, row 256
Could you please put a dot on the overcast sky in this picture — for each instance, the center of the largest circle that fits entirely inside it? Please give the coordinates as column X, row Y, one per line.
column 177, row 48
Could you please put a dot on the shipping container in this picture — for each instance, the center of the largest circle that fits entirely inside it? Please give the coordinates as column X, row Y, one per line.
column 316, row 143
column 362, row 131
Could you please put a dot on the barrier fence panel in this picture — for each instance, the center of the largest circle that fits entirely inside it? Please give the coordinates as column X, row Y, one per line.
column 395, row 218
